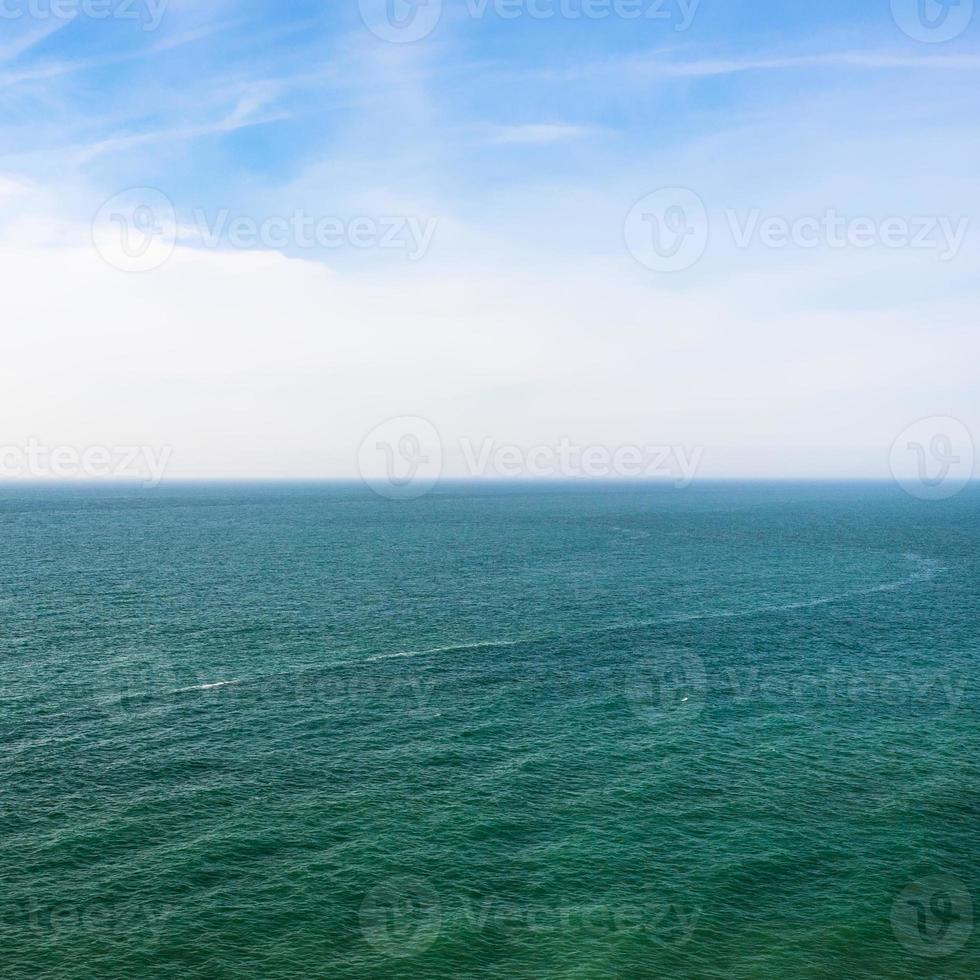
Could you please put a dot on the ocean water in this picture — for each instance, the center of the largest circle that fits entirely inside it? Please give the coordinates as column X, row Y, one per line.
column 504, row 731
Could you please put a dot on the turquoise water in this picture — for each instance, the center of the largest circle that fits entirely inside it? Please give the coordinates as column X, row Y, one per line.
column 291, row 731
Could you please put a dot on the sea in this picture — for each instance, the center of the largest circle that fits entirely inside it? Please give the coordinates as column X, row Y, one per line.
column 555, row 730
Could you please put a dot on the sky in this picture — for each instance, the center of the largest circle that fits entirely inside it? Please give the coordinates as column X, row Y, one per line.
column 248, row 237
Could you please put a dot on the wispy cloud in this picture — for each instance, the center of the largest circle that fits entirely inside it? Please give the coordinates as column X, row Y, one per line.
column 58, row 69
column 242, row 116
column 541, row 133
column 31, row 39
column 661, row 64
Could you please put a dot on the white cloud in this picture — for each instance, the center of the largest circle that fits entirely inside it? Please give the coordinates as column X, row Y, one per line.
column 529, row 321
column 252, row 364
column 11, row 187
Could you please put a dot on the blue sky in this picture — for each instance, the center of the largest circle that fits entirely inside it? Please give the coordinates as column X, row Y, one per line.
column 525, row 141
column 236, row 99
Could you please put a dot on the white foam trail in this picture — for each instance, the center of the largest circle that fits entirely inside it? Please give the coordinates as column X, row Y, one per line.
column 929, row 568
column 448, row 649
column 206, row 687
